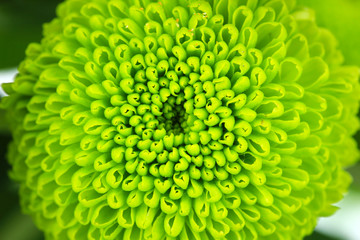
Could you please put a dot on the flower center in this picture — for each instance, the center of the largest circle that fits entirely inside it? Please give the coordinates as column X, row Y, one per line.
column 174, row 118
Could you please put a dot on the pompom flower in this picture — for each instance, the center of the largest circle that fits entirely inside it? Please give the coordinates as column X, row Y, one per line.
column 175, row 119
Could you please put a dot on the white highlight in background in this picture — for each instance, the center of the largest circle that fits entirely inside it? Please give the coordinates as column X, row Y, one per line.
column 345, row 223
column 6, row 76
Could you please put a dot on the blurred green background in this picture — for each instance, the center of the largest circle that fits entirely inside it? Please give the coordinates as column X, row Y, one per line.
column 21, row 23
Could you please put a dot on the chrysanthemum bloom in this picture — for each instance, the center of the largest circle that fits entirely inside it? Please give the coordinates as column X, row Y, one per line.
column 219, row 119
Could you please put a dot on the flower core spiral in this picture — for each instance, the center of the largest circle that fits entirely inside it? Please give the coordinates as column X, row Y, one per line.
column 175, row 119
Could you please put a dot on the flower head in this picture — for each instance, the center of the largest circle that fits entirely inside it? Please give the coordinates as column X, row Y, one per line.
column 182, row 120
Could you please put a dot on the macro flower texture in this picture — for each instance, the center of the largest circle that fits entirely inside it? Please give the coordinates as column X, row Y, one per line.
column 182, row 119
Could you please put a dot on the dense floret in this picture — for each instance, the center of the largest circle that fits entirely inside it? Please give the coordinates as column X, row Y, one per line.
column 175, row 119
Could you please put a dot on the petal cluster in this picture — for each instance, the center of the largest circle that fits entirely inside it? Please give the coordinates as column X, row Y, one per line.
column 174, row 119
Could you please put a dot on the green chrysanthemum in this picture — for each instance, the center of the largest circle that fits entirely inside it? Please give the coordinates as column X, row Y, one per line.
column 219, row 119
